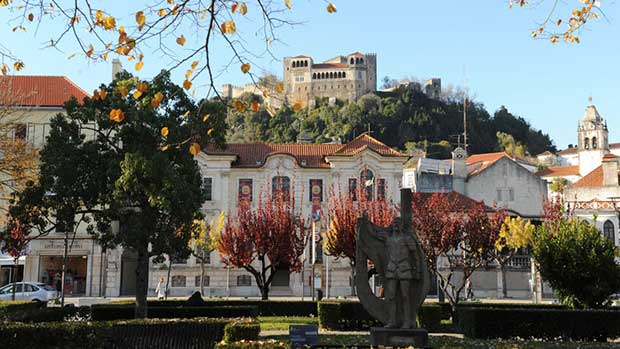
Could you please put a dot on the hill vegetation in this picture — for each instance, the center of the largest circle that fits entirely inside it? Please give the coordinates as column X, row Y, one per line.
column 402, row 120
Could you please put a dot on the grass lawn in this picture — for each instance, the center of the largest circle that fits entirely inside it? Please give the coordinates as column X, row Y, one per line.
column 281, row 323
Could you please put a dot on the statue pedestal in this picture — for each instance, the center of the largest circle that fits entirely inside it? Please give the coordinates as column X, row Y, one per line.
column 398, row 337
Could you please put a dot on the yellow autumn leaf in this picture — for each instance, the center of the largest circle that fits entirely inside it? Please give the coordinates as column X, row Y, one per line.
column 161, row 12
column 109, row 22
column 99, row 16
column 234, row 7
column 279, row 87
column 140, row 19
column 245, row 68
column 205, row 118
column 239, row 106
column 187, row 84
column 297, row 107
column 331, row 8
column 19, row 65
column 137, row 94
column 228, row 27
column 96, row 95
column 194, row 148
column 142, row 87
column 90, row 51
column 117, row 115
column 4, row 69
column 165, row 147
column 139, row 65
column 30, row 17
column 157, row 98
column 210, row 132
column 194, row 64
column 164, row 132
column 288, row 4
column 255, row 106
column 244, row 8
column 123, row 90
column 105, row 56
column 181, row 40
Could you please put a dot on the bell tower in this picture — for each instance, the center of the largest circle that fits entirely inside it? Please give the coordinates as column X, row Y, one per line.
column 593, row 141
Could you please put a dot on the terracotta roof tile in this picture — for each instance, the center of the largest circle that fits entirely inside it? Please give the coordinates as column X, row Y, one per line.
column 480, row 162
column 568, row 151
column 592, row 179
column 614, row 145
column 460, row 201
column 610, row 156
column 559, row 171
column 307, row 155
column 39, row 91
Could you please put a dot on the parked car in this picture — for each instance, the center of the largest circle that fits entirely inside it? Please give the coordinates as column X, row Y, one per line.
column 28, row 291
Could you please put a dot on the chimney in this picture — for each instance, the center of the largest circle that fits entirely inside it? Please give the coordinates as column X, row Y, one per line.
column 610, row 170
column 117, row 67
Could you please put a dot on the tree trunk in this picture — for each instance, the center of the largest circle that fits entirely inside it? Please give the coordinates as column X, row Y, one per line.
column 352, row 265
column 142, row 282
column 264, row 292
column 15, row 267
column 168, row 278
column 504, row 281
column 202, row 277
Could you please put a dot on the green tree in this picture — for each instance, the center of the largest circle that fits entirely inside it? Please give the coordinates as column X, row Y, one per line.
column 508, row 144
column 558, row 185
column 577, row 261
column 123, row 157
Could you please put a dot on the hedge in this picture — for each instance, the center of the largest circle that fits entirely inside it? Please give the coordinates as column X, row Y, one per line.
column 104, row 312
column 195, row 333
column 265, row 308
column 481, row 322
column 241, row 330
column 351, row 315
column 55, row 314
column 8, row 308
column 268, row 344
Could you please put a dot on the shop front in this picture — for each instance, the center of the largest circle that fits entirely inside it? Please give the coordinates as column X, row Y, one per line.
column 7, row 269
column 50, row 273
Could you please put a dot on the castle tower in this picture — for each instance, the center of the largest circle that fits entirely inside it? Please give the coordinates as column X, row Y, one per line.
column 371, row 75
column 593, row 141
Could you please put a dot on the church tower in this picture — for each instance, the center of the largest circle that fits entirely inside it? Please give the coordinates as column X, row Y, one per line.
column 593, row 142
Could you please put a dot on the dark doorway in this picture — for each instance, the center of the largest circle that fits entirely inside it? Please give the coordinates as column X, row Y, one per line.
column 282, row 278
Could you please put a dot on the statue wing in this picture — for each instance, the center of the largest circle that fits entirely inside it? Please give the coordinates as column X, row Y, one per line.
column 370, row 244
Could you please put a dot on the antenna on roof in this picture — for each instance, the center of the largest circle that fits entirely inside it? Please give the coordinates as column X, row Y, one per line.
column 465, row 109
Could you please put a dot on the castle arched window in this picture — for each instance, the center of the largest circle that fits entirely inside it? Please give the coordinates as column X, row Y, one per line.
column 362, row 60
column 344, row 74
column 586, row 143
column 322, row 75
column 594, row 143
column 351, row 61
column 331, row 75
column 314, row 75
column 339, row 75
column 305, row 63
column 293, row 64
column 609, row 230
column 357, row 60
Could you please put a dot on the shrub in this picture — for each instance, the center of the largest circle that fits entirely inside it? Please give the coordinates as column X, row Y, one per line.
column 241, row 330
column 265, row 307
column 10, row 307
column 101, row 312
column 349, row 315
column 51, row 314
column 478, row 322
column 268, row 344
column 194, row 333
column 577, row 261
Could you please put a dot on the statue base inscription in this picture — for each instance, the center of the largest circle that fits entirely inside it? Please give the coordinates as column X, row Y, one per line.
column 399, row 337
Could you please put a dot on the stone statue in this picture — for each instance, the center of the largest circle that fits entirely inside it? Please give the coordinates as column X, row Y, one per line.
column 399, row 261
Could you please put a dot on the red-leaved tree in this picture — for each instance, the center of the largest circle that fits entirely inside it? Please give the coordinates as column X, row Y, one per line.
column 265, row 239
column 15, row 242
column 344, row 209
column 462, row 237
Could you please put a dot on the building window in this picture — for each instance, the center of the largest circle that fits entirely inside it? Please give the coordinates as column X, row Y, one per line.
column 367, row 179
column 316, row 190
column 245, row 190
column 353, row 188
column 609, row 231
column 281, row 185
column 178, row 260
column 205, row 281
column 511, row 194
column 586, row 143
column 204, row 254
column 594, row 143
column 179, row 281
column 344, row 74
column 207, row 187
column 380, row 188
column 244, row 280
column 21, row 131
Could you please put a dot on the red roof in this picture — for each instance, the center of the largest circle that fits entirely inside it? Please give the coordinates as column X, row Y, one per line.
column 301, row 56
column 307, row 155
column 356, row 54
column 460, row 201
column 569, row 151
column 559, row 171
column 480, row 162
column 39, row 91
column 592, row 179
column 329, row 65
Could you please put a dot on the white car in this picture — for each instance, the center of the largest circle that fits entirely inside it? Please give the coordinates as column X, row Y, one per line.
column 28, row 291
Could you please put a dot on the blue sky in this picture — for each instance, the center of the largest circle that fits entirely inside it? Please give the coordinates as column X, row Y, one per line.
column 482, row 40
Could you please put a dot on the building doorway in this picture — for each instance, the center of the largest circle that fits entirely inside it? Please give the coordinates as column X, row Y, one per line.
column 75, row 277
column 129, row 263
column 282, row 278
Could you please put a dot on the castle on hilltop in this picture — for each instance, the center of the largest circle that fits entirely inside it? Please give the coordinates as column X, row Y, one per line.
column 342, row 77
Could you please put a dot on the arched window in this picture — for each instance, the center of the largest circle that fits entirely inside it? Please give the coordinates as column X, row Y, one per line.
column 314, row 75
column 367, row 182
column 339, row 75
column 281, row 185
column 305, row 63
column 609, row 231
column 362, row 60
column 344, row 74
column 351, row 61
column 357, row 60
column 331, row 75
column 293, row 64
column 322, row 75
column 586, row 143
column 594, row 143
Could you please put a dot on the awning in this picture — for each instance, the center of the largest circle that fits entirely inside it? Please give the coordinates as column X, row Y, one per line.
column 7, row 260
